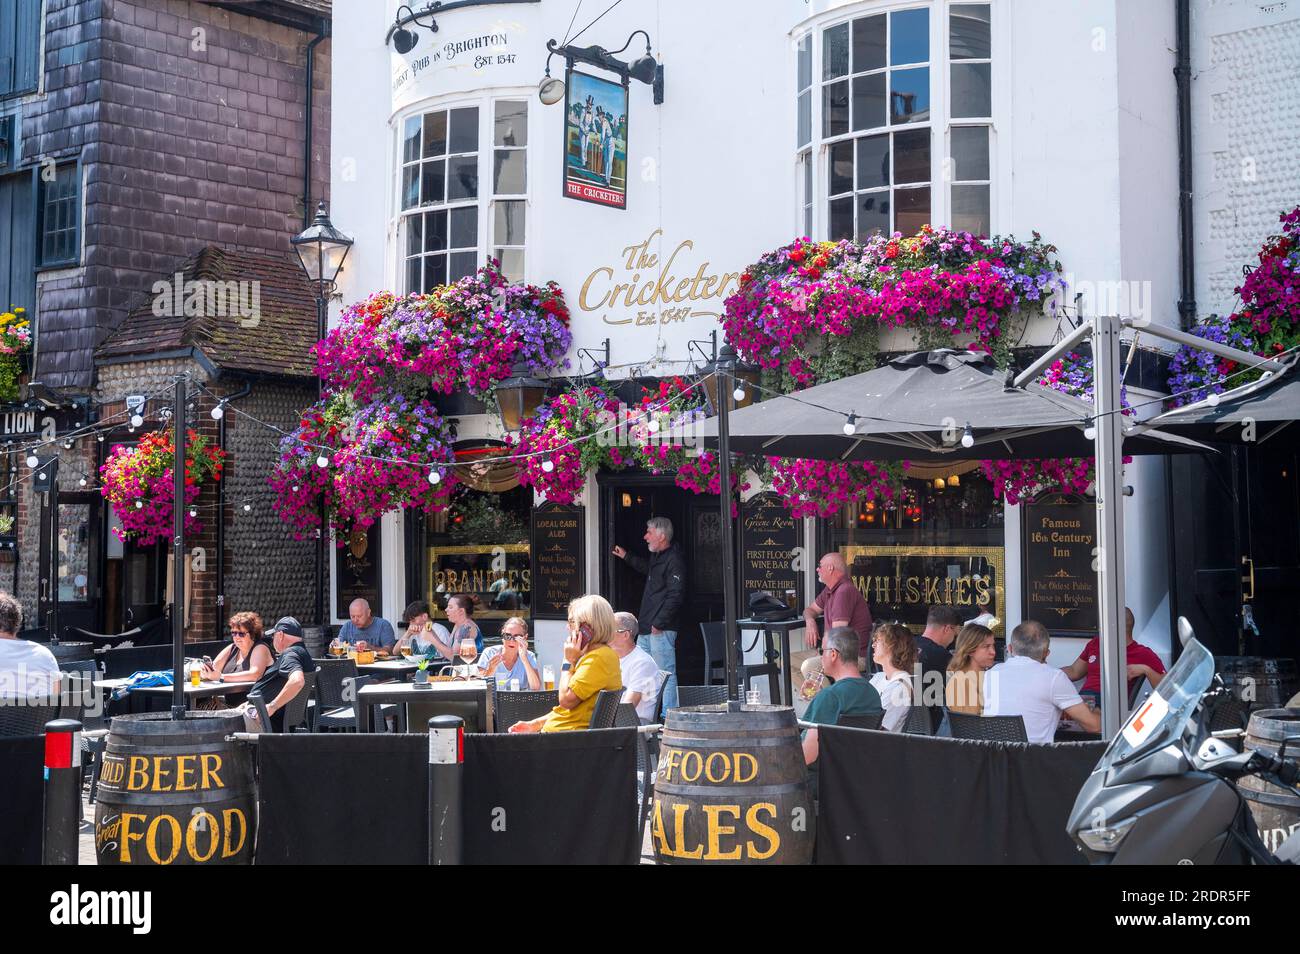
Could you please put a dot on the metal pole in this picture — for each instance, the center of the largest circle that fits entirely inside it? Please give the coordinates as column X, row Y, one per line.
column 446, row 789
column 178, row 550
column 62, row 792
column 726, row 363
column 320, row 541
column 1110, row 522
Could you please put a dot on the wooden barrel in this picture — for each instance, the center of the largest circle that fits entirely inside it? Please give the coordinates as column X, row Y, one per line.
column 1262, row 682
column 175, row 792
column 1276, row 809
column 732, row 788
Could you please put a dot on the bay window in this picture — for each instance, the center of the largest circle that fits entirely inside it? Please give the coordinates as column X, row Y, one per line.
column 903, row 111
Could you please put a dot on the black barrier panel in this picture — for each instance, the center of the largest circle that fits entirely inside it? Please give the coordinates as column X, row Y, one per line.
column 342, row 799
column 22, row 799
column 908, row 799
column 561, row 797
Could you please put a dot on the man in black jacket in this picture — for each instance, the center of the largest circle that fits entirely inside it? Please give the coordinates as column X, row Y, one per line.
column 661, row 603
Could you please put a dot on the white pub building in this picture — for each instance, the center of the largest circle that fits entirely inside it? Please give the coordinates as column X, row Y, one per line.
column 1005, row 117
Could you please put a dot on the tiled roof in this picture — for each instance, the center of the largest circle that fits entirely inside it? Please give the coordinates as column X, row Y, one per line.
column 278, row 342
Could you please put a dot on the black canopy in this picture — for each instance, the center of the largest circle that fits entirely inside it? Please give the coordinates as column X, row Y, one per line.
column 1259, row 411
column 919, row 407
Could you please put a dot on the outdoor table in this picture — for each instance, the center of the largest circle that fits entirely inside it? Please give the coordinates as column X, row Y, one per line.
column 401, row 693
column 784, row 627
column 203, row 690
column 388, row 668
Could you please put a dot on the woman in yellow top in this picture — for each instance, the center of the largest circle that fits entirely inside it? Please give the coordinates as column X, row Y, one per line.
column 974, row 653
column 590, row 665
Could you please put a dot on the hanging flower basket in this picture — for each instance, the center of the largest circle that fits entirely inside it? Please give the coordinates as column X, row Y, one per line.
column 1268, row 323
column 139, row 484
column 571, row 435
column 15, row 344
column 377, row 459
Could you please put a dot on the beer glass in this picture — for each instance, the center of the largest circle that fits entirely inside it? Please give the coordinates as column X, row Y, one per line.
column 548, row 678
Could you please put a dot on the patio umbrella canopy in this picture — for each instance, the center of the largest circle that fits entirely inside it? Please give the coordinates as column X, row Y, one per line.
column 1254, row 413
column 918, row 407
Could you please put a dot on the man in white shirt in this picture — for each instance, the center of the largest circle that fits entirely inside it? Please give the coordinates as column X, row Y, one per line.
column 1026, row 686
column 640, row 672
column 27, row 670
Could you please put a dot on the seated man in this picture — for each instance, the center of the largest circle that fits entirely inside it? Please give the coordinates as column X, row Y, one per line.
column 1142, row 663
column 1026, row 686
column 640, row 672
column 363, row 627
column 283, row 679
column 28, row 671
column 849, row 695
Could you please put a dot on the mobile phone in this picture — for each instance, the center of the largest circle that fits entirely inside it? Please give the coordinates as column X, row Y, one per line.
column 584, row 636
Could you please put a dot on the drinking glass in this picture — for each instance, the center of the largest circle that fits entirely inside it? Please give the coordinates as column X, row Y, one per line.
column 468, row 651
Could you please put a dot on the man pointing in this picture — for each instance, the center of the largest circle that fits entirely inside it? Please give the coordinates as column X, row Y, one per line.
column 661, row 602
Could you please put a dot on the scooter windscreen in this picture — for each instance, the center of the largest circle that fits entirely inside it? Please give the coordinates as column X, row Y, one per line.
column 1161, row 719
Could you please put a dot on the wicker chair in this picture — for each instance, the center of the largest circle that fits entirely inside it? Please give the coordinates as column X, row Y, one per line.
column 606, row 709
column 664, row 676
column 871, row 721
column 23, row 719
column 332, row 707
column 918, row 721
column 522, row 705
column 701, row 695
column 989, row 728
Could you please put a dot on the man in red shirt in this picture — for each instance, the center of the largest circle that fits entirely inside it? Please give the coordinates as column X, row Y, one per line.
column 1142, row 662
column 840, row 603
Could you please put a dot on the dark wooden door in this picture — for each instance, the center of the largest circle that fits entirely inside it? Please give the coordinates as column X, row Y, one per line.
column 1235, row 534
column 627, row 502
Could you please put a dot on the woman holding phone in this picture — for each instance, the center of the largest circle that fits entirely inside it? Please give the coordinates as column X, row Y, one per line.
column 590, row 665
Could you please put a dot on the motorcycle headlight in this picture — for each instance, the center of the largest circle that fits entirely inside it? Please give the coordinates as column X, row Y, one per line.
column 1107, row 839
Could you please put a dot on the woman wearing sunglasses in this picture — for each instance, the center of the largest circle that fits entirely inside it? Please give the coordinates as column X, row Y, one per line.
column 246, row 658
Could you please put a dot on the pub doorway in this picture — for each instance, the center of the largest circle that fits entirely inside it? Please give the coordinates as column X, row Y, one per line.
column 627, row 501
column 1235, row 547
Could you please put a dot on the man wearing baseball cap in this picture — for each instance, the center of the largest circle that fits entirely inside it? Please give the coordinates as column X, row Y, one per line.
column 283, row 679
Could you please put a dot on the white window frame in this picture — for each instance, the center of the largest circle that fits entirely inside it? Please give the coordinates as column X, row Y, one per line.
column 940, row 124
column 487, row 195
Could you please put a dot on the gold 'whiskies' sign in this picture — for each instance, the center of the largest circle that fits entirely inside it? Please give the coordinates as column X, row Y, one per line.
column 903, row 582
column 642, row 288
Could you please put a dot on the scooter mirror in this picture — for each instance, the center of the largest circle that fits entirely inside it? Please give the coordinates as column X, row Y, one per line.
column 1185, row 632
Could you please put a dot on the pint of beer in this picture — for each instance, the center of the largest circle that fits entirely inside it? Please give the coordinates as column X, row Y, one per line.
column 548, row 678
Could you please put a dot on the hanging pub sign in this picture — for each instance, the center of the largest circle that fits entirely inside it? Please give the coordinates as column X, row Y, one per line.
column 595, row 140
column 20, row 421
column 1060, row 584
column 903, row 582
column 356, row 569
column 557, row 552
column 769, row 541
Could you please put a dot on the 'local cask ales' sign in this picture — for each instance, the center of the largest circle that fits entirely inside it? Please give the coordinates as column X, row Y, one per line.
column 769, row 541
column 1060, row 534
column 558, row 559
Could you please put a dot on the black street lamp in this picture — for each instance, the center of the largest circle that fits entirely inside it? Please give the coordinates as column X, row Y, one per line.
column 519, row 396
column 321, row 249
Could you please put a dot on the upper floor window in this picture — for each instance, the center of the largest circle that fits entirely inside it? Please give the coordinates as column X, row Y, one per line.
column 20, row 46
column 457, row 165
column 58, row 207
column 894, row 150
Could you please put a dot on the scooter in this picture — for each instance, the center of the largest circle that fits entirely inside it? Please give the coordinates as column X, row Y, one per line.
column 1165, row 790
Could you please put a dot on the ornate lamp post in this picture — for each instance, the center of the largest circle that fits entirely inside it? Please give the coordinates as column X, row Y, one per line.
column 321, row 249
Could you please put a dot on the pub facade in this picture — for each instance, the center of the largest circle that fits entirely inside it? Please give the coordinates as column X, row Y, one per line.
column 831, row 120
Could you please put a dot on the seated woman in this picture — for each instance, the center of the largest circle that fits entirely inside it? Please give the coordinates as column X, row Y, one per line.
column 460, row 612
column 246, row 658
column 973, row 653
column 590, row 665
column 893, row 648
column 420, row 632
column 512, row 660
